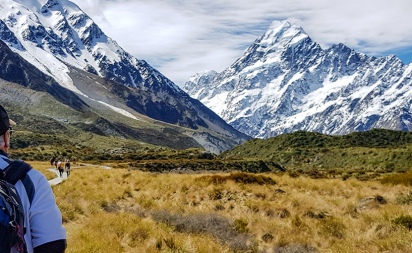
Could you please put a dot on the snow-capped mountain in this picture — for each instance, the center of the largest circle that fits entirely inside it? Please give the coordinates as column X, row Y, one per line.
column 286, row 82
column 59, row 39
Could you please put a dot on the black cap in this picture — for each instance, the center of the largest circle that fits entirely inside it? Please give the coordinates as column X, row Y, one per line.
column 5, row 121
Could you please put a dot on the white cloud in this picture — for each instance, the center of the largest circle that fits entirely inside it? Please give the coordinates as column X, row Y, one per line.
column 182, row 37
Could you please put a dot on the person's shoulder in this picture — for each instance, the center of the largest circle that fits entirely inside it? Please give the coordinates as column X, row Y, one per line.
column 36, row 175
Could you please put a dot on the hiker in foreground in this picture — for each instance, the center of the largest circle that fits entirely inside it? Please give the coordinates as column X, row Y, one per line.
column 43, row 230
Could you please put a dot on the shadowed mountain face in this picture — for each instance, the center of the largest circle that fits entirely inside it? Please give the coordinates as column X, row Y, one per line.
column 17, row 70
column 41, row 105
column 54, row 47
column 286, row 82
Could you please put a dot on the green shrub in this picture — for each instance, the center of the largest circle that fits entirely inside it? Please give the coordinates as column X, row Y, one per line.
column 241, row 225
column 404, row 199
column 404, row 220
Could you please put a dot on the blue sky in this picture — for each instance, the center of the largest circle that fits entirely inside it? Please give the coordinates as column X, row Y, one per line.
column 183, row 37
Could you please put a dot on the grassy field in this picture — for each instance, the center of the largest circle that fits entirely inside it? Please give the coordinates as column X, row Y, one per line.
column 124, row 210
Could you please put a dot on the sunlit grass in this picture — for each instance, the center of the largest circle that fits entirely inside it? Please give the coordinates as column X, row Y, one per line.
column 122, row 210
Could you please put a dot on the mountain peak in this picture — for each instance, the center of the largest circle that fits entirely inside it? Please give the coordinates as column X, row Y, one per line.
column 51, row 4
column 285, row 82
column 340, row 47
column 283, row 25
column 282, row 33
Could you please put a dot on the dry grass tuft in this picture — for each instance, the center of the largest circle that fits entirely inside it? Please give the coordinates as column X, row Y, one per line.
column 395, row 179
column 239, row 177
column 216, row 226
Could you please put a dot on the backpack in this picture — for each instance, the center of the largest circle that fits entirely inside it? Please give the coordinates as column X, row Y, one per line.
column 11, row 209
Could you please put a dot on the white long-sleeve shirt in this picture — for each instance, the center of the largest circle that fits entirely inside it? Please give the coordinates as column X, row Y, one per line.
column 45, row 221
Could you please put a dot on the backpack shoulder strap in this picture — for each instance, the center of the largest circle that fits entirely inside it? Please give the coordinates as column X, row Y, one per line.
column 17, row 170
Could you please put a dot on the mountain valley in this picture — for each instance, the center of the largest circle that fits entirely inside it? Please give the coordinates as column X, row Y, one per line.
column 80, row 80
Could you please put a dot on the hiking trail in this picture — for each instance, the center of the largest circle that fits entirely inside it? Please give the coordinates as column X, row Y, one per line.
column 59, row 179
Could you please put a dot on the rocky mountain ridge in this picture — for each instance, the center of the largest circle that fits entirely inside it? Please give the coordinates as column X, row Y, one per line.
column 286, row 82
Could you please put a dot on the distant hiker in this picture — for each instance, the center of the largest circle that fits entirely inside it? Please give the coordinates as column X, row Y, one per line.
column 67, row 167
column 52, row 161
column 60, row 168
column 42, row 229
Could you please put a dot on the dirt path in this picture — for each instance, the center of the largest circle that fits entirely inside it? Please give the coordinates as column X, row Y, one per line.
column 58, row 179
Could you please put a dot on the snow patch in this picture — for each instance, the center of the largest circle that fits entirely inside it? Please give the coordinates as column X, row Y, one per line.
column 118, row 110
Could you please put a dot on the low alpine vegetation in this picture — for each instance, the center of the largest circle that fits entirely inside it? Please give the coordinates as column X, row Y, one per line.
column 129, row 210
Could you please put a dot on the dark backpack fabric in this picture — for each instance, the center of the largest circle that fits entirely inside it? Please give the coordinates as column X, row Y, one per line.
column 11, row 209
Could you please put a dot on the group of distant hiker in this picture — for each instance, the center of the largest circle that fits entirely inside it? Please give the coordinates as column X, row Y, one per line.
column 60, row 165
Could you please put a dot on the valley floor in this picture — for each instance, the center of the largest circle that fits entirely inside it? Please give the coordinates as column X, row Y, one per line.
column 122, row 210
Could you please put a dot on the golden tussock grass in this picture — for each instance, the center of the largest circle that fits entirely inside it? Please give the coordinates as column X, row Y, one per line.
column 119, row 210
